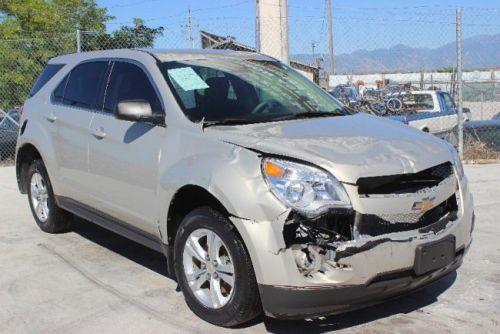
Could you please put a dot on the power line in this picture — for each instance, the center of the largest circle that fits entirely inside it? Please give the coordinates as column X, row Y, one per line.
column 131, row 4
column 180, row 14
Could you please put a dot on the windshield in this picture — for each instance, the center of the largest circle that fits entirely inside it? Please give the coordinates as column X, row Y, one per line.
column 248, row 91
column 448, row 101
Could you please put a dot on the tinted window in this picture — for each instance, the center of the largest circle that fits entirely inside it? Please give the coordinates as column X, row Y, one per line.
column 129, row 82
column 84, row 84
column 58, row 94
column 49, row 71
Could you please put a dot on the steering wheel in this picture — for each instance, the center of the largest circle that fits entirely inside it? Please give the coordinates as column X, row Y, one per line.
column 263, row 106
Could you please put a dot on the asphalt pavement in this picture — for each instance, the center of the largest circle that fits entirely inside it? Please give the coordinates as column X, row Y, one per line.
column 93, row 281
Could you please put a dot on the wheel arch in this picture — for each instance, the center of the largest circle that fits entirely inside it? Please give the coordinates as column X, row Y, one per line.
column 186, row 199
column 25, row 154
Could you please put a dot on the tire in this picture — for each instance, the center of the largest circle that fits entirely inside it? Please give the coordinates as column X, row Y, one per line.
column 55, row 219
column 243, row 301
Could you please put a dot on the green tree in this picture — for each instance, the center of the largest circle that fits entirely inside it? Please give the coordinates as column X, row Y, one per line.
column 25, row 17
column 137, row 36
column 33, row 31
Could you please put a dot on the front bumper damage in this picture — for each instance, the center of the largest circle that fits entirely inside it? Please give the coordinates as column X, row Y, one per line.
column 303, row 276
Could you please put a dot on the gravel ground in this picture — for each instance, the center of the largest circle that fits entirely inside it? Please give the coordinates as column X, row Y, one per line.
column 91, row 280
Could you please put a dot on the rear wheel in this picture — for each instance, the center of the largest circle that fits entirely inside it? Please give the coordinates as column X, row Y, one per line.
column 48, row 216
column 214, row 270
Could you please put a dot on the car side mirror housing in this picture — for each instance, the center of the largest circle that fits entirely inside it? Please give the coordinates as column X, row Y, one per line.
column 138, row 111
column 465, row 110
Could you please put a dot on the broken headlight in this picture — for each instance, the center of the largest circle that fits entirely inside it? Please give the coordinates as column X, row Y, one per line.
column 307, row 189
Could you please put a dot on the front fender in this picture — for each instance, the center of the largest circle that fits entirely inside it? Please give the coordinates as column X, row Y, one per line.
column 231, row 174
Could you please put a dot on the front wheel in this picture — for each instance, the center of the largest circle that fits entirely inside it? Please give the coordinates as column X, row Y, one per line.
column 214, row 270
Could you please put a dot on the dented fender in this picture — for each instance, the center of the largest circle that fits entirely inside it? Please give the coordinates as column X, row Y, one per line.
column 232, row 174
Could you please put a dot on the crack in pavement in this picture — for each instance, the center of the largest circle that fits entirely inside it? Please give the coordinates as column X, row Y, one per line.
column 132, row 301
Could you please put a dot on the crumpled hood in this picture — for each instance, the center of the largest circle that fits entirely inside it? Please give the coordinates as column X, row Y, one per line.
column 349, row 147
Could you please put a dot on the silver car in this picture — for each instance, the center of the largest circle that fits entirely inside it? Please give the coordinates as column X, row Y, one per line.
column 262, row 190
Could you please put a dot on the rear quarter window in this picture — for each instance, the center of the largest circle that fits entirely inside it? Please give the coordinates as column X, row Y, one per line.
column 424, row 102
column 48, row 72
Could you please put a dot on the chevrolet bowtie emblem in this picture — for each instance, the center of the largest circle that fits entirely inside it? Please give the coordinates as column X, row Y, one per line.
column 424, row 205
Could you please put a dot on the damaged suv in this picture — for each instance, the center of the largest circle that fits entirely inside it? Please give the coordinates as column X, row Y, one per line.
column 262, row 190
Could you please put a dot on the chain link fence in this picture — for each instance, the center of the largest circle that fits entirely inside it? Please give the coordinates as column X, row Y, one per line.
column 399, row 63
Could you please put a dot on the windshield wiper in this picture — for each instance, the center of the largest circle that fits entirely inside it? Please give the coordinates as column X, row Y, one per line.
column 227, row 121
column 243, row 121
column 310, row 114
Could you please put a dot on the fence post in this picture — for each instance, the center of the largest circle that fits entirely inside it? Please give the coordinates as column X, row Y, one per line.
column 460, row 84
column 78, row 41
column 482, row 103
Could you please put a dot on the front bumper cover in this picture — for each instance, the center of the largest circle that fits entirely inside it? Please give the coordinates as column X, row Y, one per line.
column 285, row 302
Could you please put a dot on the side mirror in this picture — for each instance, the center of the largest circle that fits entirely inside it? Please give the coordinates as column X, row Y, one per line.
column 137, row 111
column 465, row 110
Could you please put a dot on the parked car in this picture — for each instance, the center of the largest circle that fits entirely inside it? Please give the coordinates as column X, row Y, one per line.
column 262, row 191
column 486, row 131
column 435, row 112
column 8, row 134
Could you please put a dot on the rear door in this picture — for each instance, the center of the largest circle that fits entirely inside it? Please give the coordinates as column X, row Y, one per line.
column 124, row 155
column 74, row 102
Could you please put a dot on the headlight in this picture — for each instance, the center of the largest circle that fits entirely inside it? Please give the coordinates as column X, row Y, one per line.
column 456, row 161
column 304, row 188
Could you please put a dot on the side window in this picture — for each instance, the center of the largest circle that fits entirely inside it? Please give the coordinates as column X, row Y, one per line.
column 47, row 74
column 58, row 94
column 82, row 88
column 129, row 82
column 424, row 102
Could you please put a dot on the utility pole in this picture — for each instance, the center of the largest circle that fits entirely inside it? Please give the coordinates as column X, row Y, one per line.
column 284, row 32
column 331, row 67
column 257, row 26
column 189, row 27
column 460, row 85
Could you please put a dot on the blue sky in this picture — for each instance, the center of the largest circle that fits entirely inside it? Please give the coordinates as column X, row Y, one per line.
column 358, row 24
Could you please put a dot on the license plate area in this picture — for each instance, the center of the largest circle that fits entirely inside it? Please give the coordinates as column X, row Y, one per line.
column 434, row 255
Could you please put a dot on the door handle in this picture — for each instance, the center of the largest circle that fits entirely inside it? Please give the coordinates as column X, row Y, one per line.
column 99, row 133
column 51, row 117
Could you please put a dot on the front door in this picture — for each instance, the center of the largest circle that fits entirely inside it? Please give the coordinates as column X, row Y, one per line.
column 123, row 155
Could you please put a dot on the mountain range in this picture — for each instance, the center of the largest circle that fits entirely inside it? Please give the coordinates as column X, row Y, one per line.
column 481, row 51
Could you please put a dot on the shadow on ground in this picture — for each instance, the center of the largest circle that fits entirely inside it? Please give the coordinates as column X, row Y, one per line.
column 412, row 302
column 129, row 249
column 156, row 262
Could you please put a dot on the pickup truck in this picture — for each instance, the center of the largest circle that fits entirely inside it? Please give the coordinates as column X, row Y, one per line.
column 436, row 112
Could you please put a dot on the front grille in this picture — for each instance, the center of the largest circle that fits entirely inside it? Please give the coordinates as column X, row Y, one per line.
column 374, row 225
column 404, row 183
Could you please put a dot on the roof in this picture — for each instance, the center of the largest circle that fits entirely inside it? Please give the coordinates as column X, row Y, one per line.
column 185, row 54
column 162, row 54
